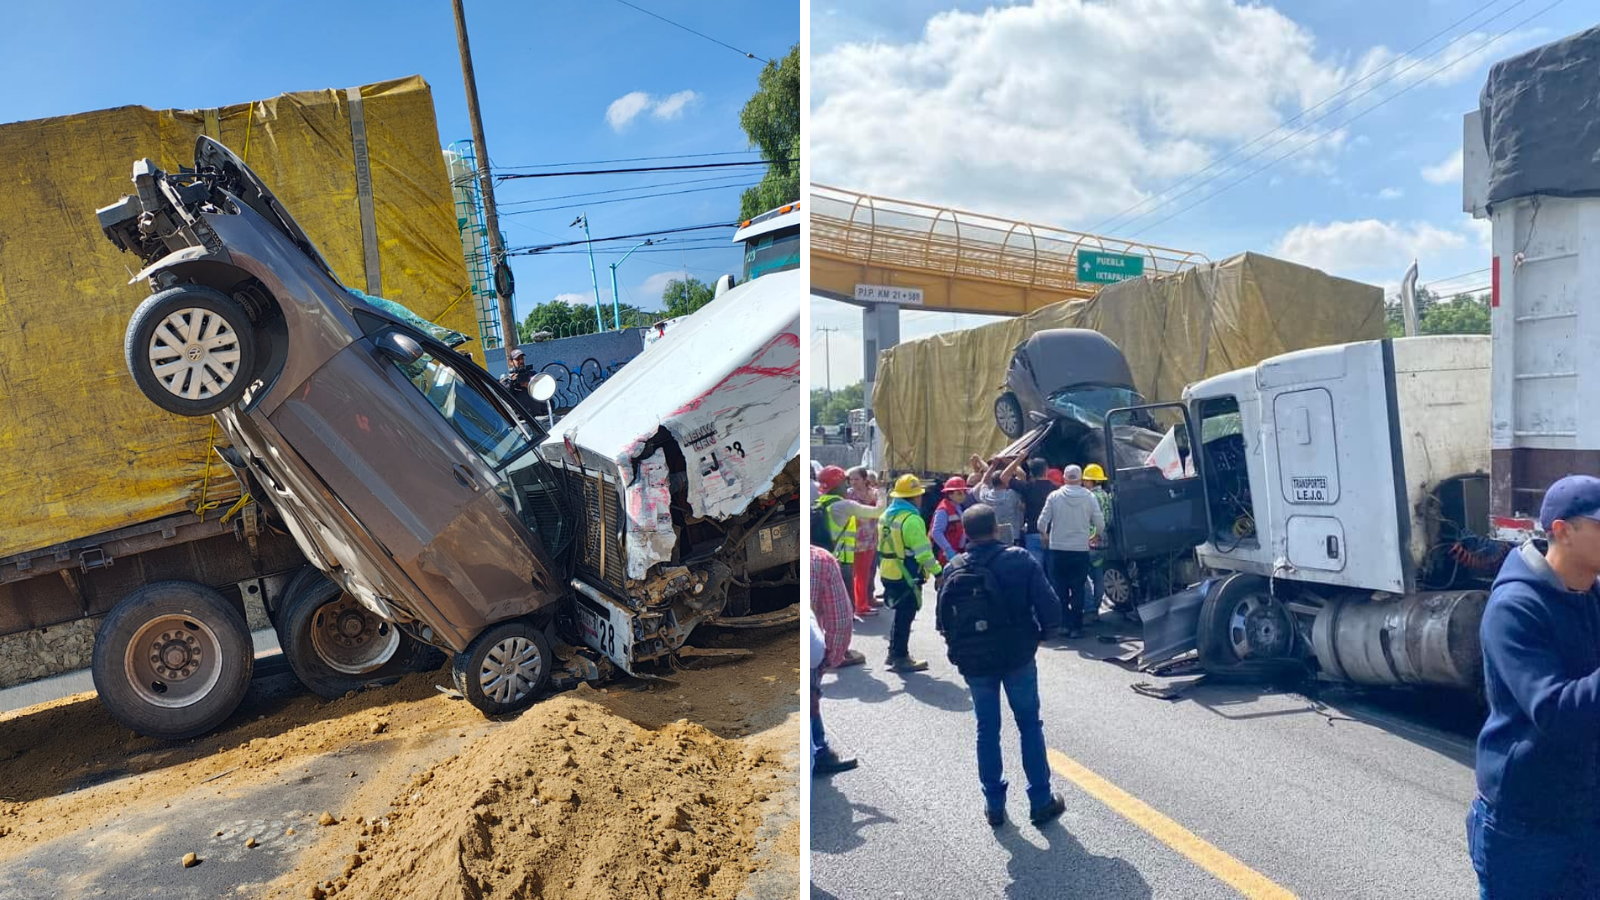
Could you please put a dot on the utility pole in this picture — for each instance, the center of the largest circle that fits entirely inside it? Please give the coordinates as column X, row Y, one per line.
column 491, row 218
column 827, row 357
column 583, row 219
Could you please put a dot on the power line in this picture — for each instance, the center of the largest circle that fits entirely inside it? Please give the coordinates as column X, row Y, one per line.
column 621, row 237
column 1264, row 135
column 1374, row 107
column 586, row 204
column 607, row 162
column 693, row 32
column 636, row 187
column 634, row 171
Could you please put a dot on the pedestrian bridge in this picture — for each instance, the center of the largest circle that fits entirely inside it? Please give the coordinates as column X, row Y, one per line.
column 961, row 261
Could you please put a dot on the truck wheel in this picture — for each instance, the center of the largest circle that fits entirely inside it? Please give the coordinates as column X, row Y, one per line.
column 191, row 349
column 1008, row 415
column 172, row 660
column 505, row 668
column 335, row 645
column 1240, row 620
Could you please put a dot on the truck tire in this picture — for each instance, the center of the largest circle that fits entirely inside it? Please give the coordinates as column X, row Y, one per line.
column 505, row 668
column 172, row 660
column 335, row 645
column 1241, row 621
column 1008, row 416
column 191, row 349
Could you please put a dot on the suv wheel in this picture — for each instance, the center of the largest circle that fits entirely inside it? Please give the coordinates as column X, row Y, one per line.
column 505, row 668
column 191, row 350
column 1008, row 415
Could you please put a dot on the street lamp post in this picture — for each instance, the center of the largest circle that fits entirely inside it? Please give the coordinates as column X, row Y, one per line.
column 599, row 323
column 616, row 310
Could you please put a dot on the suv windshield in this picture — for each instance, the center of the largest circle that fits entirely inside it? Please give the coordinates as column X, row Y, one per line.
column 1090, row 403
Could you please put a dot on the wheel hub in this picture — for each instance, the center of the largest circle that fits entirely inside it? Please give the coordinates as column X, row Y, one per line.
column 173, row 661
column 350, row 638
column 194, row 353
column 510, row 670
column 176, row 656
column 1259, row 628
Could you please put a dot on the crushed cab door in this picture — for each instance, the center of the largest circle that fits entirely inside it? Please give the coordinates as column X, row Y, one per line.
column 1158, row 499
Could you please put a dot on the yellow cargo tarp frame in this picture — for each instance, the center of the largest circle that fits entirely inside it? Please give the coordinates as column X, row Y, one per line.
column 934, row 398
column 81, row 450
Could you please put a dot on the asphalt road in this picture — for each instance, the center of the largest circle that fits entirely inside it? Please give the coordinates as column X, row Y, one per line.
column 1232, row 790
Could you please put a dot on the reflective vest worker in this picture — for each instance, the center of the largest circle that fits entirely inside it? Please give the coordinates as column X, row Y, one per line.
column 835, row 519
column 905, row 560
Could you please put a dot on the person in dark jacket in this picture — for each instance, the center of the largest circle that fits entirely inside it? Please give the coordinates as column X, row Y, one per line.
column 1534, row 829
column 1019, row 609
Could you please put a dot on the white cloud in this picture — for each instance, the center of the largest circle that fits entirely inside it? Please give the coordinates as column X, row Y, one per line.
column 1368, row 249
column 574, row 299
column 650, row 290
column 1068, row 112
column 623, row 109
column 1391, row 193
column 1448, row 170
column 628, row 107
column 671, row 106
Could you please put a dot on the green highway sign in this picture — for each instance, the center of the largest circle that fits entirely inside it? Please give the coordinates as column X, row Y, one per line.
column 1107, row 268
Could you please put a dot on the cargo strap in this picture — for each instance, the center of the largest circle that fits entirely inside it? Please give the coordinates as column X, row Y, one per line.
column 369, row 221
column 213, row 128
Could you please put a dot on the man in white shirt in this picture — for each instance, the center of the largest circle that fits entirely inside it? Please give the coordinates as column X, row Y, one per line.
column 1071, row 514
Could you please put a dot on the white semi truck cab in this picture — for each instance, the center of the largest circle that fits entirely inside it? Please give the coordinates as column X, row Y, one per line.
column 1336, row 493
column 1354, row 502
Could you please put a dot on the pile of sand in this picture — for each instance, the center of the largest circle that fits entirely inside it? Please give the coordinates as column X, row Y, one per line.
column 573, row 802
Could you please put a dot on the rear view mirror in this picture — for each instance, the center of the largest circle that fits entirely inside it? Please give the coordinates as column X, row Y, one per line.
column 399, row 347
column 542, row 387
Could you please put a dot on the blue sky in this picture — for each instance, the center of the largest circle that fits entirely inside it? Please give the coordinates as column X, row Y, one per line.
column 547, row 73
column 1068, row 112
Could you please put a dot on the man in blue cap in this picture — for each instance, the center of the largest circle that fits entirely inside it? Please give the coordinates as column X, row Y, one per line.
column 1534, row 829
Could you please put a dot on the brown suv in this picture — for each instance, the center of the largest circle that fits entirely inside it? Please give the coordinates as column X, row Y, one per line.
column 407, row 475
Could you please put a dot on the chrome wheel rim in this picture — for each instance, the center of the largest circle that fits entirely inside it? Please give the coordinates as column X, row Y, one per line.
column 173, row 661
column 194, row 354
column 510, row 670
column 1117, row 588
column 350, row 638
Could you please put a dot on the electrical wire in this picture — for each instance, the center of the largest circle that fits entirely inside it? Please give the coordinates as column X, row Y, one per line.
column 695, row 33
column 637, row 187
column 627, row 159
column 1373, row 108
column 521, row 251
column 637, row 170
column 1271, row 131
column 587, row 204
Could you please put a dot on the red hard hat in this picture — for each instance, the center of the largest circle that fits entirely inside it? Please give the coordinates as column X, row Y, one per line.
column 956, row 483
column 830, row 477
column 1055, row 477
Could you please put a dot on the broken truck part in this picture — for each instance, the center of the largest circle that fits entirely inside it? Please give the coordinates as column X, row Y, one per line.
column 410, row 479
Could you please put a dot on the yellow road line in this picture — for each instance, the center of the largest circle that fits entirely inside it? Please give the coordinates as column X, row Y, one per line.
column 1240, row 877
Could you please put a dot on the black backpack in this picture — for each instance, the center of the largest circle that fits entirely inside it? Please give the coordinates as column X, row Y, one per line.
column 985, row 632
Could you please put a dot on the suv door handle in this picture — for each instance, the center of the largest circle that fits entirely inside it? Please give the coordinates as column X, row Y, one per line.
column 464, row 477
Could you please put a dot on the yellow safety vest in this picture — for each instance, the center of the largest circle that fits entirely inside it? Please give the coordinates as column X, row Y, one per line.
column 843, row 538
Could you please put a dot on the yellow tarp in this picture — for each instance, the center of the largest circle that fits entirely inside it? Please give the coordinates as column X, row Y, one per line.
column 81, row 450
column 934, row 398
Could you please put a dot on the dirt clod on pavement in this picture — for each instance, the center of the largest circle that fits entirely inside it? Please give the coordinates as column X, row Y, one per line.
column 576, row 802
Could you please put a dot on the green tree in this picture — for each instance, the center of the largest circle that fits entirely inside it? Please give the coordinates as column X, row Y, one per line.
column 835, row 410
column 683, row 296
column 772, row 120
column 1462, row 314
column 561, row 319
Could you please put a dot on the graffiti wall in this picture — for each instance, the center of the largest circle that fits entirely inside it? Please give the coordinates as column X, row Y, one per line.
column 581, row 364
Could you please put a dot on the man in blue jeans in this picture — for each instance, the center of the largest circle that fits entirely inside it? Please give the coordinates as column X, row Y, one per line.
column 995, row 605
column 1534, row 830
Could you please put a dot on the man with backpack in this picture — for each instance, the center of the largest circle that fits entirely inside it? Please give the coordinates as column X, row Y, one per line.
column 905, row 560
column 994, row 607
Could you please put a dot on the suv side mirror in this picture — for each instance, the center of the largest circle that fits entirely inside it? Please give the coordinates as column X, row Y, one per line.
column 399, row 347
